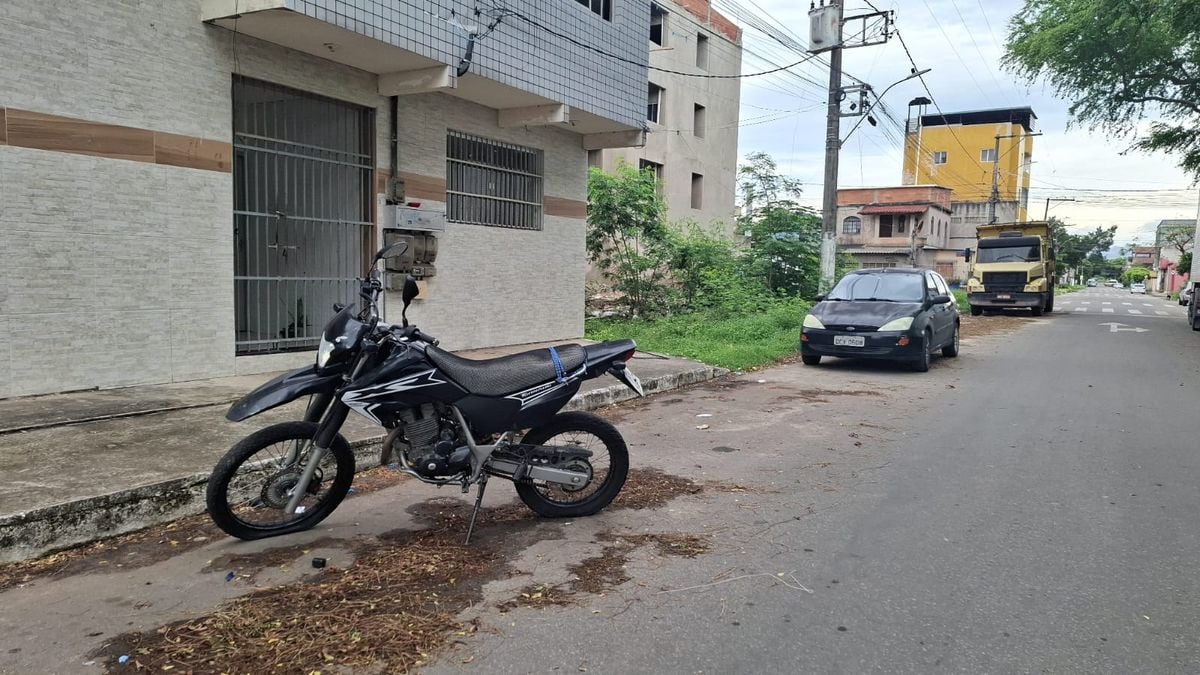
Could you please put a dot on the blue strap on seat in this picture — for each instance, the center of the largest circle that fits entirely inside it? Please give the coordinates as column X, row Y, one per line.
column 560, row 373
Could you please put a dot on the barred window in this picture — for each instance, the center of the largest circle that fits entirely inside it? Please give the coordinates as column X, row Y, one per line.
column 493, row 183
column 852, row 225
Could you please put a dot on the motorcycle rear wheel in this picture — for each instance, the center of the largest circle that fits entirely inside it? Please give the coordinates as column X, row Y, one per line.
column 250, row 486
column 550, row 501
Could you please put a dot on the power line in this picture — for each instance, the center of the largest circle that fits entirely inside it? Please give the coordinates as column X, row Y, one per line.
column 953, row 49
column 971, row 35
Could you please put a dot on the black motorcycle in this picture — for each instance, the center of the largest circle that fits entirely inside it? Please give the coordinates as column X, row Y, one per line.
column 451, row 420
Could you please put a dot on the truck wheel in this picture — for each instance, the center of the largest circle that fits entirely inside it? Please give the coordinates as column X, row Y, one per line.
column 976, row 311
column 1037, row 311
column 1050, row 303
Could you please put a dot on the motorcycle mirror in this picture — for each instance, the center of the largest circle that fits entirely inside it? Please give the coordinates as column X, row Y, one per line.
column 411, row 290
column 392, row 251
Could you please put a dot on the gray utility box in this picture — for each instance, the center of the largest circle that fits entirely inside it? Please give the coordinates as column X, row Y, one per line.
column 418, row 260
column 400, row 217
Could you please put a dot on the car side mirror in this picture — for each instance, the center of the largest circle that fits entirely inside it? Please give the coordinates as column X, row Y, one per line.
column 939, row 299
column 820, row 298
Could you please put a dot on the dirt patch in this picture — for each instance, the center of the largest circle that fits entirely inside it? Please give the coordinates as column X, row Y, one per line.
column 248, row 565
column 725, row 448
column 976, row 326
column 396, row 605
column 145, row 547
column 822, row 395
column 607, row 570
column 651, row 488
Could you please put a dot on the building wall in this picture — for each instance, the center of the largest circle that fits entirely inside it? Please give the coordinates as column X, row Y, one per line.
column 964, row 172
column 965, row 217
column 673, row 142
column 517, row 53
column 116, row 256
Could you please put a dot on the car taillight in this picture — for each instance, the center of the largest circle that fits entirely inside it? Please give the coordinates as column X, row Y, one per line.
column 628, row 355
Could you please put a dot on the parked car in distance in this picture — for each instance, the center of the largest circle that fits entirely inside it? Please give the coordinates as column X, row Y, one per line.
column 1185, row 295
column 1137, row 288
column 1092, row 283
column 895, row 314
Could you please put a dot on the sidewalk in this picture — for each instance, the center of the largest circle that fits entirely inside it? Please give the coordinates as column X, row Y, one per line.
column 82, row 466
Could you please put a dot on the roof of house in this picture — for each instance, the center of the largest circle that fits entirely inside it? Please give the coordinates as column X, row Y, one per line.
column 1023, row 116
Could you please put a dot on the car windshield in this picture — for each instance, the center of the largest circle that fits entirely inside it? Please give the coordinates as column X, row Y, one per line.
column 1023, row 253
column 883, row 287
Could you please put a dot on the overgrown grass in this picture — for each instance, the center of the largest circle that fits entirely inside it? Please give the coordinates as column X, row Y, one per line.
column 960, row 296
column 734, row 342
column 1061, row 290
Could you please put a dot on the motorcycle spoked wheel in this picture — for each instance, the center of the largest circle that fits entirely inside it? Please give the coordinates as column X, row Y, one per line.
column 608, row 466
column 250, row 487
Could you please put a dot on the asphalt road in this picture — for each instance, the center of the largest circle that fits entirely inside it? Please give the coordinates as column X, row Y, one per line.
column 1030, row 506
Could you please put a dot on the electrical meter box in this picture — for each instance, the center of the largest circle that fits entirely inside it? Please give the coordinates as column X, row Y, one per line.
column 824, row 33
column 401, row 217
column 418, row 260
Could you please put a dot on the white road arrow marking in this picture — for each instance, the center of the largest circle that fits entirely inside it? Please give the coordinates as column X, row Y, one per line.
column 1114, row 327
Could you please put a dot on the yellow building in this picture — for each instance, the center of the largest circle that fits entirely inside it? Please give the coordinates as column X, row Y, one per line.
column 959, row 151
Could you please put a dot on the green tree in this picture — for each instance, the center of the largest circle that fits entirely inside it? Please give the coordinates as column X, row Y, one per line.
column 627, row 236
column 1184, row 266
column 1135, row 275
column 1117, row 62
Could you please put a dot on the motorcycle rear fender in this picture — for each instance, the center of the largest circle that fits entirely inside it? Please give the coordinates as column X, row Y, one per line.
column 284, row 389
column 601, row 356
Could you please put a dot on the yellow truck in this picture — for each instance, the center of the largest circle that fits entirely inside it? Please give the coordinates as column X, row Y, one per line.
column 1013, row 266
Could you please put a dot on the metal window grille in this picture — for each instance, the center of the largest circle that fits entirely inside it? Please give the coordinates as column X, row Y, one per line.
column 493, row 183
column 303, row 174
column 852, row 225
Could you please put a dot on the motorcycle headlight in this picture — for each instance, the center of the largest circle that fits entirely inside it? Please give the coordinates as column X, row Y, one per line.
column 811, row 321
column 324, row 351
column 903, row 323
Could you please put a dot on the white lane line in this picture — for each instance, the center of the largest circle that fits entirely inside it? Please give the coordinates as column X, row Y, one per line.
column 1161, row 313
column 1135, row 311
column 1147, row 304
column 1108, row 310
column 1087, row 302
column 1106, row 303
column 1081, row 309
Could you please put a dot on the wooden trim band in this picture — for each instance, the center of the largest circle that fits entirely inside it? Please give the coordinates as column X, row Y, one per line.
column 55, row 133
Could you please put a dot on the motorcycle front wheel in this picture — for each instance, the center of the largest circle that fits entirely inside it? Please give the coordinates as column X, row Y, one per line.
column 607, row 466
column 250, row 487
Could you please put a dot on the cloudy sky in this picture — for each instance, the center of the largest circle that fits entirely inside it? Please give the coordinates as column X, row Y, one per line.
column 961, row 43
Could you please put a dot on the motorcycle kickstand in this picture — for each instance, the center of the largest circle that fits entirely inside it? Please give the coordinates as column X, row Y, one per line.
column 475, row 512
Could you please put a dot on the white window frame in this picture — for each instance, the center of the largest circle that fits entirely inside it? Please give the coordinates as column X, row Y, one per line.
column 940, row 157
column 655, row 104
column 987, row 155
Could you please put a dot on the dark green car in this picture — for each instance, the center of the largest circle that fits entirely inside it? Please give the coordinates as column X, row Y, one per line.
column 894, row 314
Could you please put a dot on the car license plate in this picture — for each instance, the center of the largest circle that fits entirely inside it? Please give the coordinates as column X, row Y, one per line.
column 1003, row 296
column 849, row 341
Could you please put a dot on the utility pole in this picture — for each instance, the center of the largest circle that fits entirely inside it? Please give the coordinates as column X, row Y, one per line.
column 994, row 200
column 1046, row 215
column 826, row 23
column 833, row 146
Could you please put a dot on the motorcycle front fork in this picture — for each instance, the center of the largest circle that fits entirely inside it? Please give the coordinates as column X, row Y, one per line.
column 329, row 426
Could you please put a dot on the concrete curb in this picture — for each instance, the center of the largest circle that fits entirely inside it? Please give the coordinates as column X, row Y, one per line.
column 33, row 533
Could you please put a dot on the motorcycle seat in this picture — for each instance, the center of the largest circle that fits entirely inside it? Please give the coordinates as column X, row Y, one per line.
column 507, row 374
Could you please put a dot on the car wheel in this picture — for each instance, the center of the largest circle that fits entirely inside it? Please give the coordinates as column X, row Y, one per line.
column 1196, row 322
column 810, row 359
column 921, row 364
column 951, row 349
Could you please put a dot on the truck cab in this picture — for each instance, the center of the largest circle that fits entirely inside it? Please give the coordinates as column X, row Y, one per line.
column 1013, row 267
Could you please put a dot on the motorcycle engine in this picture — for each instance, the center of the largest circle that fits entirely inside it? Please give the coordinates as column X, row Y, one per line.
column 433, row 448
